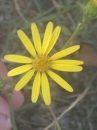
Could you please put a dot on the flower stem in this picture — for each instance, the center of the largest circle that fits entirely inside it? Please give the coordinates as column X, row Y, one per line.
column 77, row 30
column 52, row 113
column 12, row 112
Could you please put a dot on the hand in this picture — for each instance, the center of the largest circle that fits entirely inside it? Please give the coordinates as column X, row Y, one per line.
column 17, row 100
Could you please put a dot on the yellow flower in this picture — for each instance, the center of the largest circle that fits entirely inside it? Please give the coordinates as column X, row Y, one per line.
column 41, row 63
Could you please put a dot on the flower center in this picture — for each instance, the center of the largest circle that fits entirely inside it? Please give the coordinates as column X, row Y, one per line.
column 41, row 63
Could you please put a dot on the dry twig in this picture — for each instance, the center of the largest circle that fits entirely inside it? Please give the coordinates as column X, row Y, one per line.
column 57, row 5
column 19, row 12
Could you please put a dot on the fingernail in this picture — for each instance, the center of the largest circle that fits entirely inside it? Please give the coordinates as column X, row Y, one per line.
column 5, row 123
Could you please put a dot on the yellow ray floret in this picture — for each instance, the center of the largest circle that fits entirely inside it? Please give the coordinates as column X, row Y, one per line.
column 71, row 62
column 45, row 89
column 60, row 81
column 47, row 37
column 24, row 80
column 36, row 38
column 18, row 58
column 26, row 42
column 53, row 40
column 67, row 67
column 20, row 70
column 65, row 52
column 36, row 88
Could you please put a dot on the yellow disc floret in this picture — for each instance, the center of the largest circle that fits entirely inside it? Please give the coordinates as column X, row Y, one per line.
column 41, row 63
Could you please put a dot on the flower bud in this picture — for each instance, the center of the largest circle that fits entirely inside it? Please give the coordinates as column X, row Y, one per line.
column 90, row 10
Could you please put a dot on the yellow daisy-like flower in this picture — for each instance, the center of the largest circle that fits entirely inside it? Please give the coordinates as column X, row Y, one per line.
column 41, row 63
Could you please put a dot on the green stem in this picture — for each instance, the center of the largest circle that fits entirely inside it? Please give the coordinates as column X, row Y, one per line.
column 6, row 81
column 12, row 113
column 52, row 113
column 77, row 30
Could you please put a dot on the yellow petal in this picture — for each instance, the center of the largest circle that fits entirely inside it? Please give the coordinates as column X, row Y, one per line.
column 65, row 52
column 54, row 38
column 36, row 38
column 24, row 80
column 67, row 67
column 26, row 42
column 71, row 62
column 18, row 58
column 36, row 88
column 45, row 89
column 47, row 36
column 60, row 81
column 20, row 70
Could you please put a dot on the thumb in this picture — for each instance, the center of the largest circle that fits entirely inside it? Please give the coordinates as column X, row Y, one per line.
column 5, row 123
column 17, row 102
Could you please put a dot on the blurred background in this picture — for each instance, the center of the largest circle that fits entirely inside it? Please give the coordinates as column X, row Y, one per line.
column 78, row 109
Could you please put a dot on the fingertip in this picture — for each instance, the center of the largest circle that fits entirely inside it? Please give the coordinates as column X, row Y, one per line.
column 4, row 108
column 3, row 71
column 17, row 99
column 5, row 123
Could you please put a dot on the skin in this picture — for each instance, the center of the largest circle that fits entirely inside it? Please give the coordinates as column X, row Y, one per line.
column 17, row 100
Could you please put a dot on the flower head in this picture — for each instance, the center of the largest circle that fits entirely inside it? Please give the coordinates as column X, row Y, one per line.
column 41, row 64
